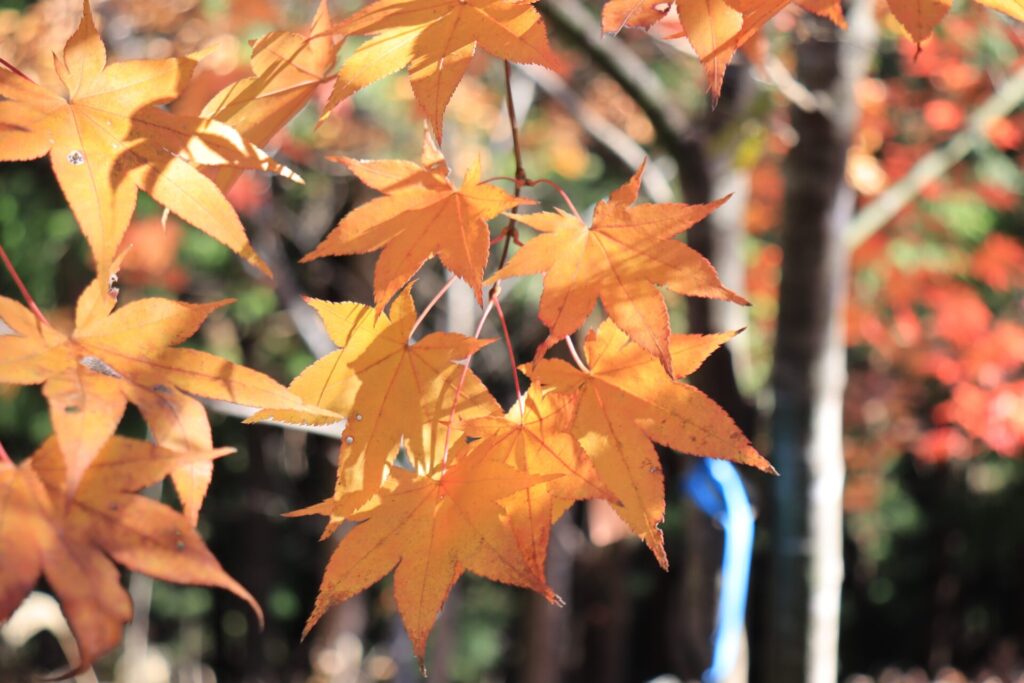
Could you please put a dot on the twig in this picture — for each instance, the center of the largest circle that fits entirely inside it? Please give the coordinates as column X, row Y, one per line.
column 602, row 131
column 22, row 288
column 631, row 72
column 513, row 123
column 795, row 92
column 306, row 322
column 876, row 215
column 510, row 231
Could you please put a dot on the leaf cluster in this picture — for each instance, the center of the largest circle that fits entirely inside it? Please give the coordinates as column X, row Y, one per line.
column 477, row 487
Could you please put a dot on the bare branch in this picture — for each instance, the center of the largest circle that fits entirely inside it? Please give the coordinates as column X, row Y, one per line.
column 602, row 131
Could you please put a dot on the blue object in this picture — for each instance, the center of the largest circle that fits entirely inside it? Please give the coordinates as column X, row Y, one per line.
column 716, row 487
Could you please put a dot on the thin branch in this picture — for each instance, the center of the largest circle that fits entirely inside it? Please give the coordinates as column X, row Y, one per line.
column 876, row 215
column 617, row 60
column 513, row 123
column 795, row 92
column 602, row 131
column 304, row 319
column 510, row 231
column 29, row 301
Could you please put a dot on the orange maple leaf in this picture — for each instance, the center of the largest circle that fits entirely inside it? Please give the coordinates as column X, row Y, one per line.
column 389, row 389
column 626, row 401
column 288, row 68
column 116, row 357
column 919, row 17
column 421, row 214
column 71, row 538
column 707, row 25
column 107, row 138
column 620, row 258
column 714, row 28
column 536, row 438
column 436, row 39
column 434, row 527
column 619, row 14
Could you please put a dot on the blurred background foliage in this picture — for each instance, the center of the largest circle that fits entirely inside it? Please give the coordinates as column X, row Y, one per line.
column 934, row 410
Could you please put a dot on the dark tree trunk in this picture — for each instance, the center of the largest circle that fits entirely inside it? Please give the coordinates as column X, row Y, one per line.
column 810, row 357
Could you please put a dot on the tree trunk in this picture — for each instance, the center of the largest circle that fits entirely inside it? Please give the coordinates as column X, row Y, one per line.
column 810, row 357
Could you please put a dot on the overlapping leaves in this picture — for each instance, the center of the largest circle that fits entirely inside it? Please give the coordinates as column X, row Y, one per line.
column 107, row 138
column 437, row 478
column 74, row 537
column 421, row 214
column 437, row 39
column 626, row 402
column 116, row 357
column 620, row 258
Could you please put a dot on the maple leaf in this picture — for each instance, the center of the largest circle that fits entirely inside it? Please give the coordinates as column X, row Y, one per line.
column 920, row 17
column 619, row 14
column 536, row 438
column 116, row 357
column 288, row 68
column 431, row 529
column 421, row 214
column 620, row 258
column 626, row 401
column 107, row 139
column 437, row 39
column 74, row 538
column 708, row 24
column 389, row 389
column 714, row 28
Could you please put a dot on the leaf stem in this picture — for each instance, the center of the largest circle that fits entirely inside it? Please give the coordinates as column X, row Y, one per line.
column 511, row 352
column 575, row 355
column 561, row 191
column 461, row 384
column 534, row 183
column 29, row 301
column 15, row 70
column 433, row 302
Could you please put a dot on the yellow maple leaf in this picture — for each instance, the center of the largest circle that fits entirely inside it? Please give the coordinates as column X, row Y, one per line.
column 430, row 529
column 437, row 39
column 620, row 258
column 421, row 214
column 116, row 357
column 626, row 401
column 107, row 138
